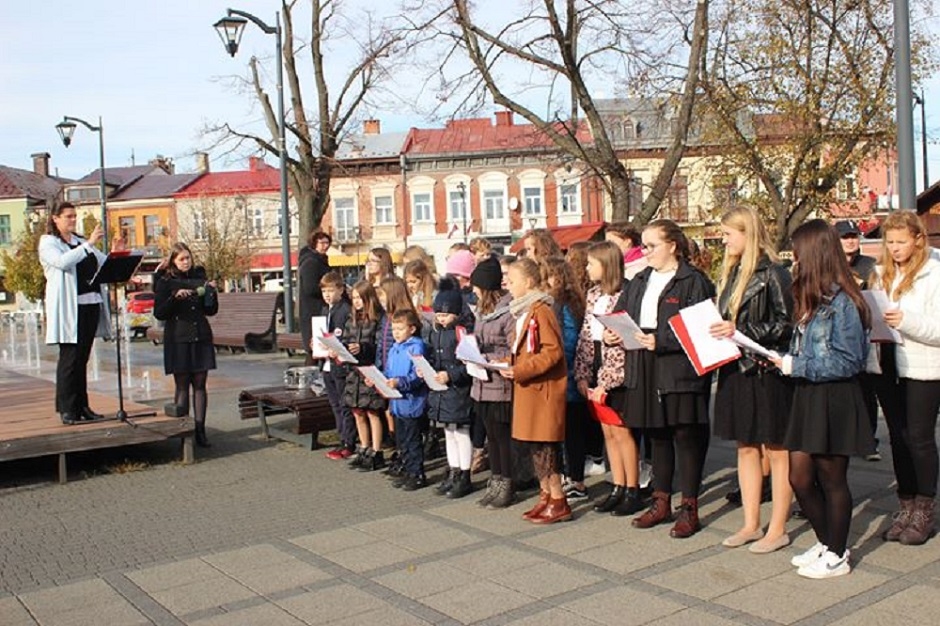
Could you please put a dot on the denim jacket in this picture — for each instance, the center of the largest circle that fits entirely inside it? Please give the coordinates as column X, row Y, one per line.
column 833, row 345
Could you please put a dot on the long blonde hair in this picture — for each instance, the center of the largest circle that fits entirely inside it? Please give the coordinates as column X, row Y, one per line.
column 903, row 220
column 757, row 244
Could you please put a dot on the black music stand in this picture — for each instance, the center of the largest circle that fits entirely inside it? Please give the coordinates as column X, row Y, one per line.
column 117, row 269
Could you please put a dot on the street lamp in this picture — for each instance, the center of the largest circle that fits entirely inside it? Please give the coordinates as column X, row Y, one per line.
column 919, row 101
column 230, row 29
column 66, row 129
column 462, row 188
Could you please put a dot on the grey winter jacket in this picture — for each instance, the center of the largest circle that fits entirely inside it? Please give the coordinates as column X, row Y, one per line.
column 492, row 334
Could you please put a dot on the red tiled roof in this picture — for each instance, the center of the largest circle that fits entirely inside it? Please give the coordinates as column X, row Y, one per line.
column 265, row 179
column 564, row 236
column 17, row 183
column 481, row 135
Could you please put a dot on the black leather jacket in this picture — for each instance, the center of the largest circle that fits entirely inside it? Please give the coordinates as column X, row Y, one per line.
column 185, row 317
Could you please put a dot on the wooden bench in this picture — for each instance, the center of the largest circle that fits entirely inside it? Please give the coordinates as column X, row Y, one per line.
column 245, row 321
column 312, row 412
column 291, row 342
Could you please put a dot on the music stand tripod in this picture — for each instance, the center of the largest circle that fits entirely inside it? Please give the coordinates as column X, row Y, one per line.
column 117, row 269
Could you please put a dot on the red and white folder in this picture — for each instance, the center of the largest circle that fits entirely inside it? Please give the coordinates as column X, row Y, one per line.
column 705, row 352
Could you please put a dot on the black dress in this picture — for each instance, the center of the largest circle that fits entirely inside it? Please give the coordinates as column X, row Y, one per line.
column 187, row 337
column 829, row 418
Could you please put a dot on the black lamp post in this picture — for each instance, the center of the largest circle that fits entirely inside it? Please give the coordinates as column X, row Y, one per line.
column 919, row 100
column 66, row 129
column 230, row 29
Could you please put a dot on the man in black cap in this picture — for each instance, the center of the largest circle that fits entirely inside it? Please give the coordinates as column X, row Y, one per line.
column 862, row 266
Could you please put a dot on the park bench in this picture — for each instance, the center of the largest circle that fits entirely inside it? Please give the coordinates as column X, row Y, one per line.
column 291, row 342
column 312, row 413
column 245, row 321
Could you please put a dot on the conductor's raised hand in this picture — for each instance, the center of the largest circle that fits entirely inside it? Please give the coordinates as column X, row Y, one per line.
column 96, row 235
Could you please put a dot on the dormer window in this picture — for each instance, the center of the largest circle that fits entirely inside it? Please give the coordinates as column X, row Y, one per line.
column 629, row 129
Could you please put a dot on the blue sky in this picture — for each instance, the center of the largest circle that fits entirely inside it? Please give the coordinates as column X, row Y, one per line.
column 155, row 72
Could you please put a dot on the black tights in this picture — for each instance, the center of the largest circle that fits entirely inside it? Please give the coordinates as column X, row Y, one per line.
column 821, row 486
column 200, row 400
column 691, row 440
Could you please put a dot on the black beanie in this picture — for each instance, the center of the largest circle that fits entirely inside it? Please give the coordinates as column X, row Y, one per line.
column 488, row 275
column 448, row 298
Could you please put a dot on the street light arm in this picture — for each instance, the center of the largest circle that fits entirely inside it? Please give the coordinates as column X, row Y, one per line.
column 270, row 30
column 90, row 127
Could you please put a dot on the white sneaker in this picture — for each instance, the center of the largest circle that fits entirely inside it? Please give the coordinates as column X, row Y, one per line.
column 829, row 565
column 646, row 474
column 810, row 556
column 591, row 468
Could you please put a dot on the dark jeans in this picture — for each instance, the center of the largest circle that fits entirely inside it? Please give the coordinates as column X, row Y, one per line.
column 71, row 376
column 910, row 408
column 408, row 442
column 345, row 423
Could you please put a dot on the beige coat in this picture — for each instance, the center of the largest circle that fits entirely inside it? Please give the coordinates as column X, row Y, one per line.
column 538, row 407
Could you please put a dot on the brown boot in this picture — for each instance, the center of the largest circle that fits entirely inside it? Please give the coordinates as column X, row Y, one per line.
column 921, row 527
column 555, row 511
column 538, row 508
column 479, row 462
column 687, row 523
column 899, row 520
column 658, row 512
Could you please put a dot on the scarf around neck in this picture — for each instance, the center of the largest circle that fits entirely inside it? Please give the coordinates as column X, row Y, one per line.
column 520, row 306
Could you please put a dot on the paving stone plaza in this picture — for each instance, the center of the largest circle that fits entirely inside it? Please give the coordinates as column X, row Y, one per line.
column 267, row 533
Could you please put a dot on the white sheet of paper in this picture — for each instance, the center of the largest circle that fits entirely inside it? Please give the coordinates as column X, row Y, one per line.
column 622, row 324
column 878, row 303
column 698, row 318
column 334, row 344
column 477, row 371
column 377, row 378
column 468, row 351
column 427, row 372
column 749, row 344
column 318, row 329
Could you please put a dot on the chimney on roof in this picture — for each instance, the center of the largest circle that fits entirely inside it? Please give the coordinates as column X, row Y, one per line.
column 372, row 127
column 41, row 163
column 255, row 163
column 164, row 163
column 202, row 162
column 504, row 118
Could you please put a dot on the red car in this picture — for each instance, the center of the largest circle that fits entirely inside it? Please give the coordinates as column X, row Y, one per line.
column 140, row 302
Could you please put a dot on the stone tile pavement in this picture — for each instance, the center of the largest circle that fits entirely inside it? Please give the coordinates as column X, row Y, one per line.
column 264, row 533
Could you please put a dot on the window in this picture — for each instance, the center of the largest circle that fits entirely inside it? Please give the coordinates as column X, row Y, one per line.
column 676, row 206
column 255, row 222
column 845, row 189
column 494, row 204
column 152, row 230
column 421, row 207
column 200, row 228
column 345, row 209
column 458, row 205
column 128, row 226
column 6, row 236
column 570, row 198
column 384, row 210
column 724, row 192
column 83, row 194
column 532, row 200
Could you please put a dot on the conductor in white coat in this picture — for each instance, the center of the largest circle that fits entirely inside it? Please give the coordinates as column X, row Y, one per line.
column 76, row 312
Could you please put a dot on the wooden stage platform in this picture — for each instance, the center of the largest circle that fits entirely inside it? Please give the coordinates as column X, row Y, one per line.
column 30, row 426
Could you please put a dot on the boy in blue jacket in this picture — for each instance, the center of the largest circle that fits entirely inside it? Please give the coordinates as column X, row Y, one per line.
column 400, row 370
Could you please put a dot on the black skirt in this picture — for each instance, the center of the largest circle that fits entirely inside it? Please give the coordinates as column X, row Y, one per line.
column 829, row 418
column 496, row 412
column 188, row 357
column 645, row 407
column 752, row 408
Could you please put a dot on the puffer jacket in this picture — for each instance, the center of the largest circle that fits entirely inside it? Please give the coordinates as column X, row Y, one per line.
column 451, row 406
column 492, row 334
column 766, row 310
column 358, row 395
column 832, row 345
column 919, row 356
column 400, row 366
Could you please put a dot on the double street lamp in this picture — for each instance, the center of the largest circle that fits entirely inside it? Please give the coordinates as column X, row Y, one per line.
column 66, row 129
column 230, row 29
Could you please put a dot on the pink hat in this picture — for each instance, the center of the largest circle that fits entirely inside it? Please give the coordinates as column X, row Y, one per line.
column 461, row 263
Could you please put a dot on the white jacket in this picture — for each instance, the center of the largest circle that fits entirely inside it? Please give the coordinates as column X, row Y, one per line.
column 919, row 356
column 58, row 264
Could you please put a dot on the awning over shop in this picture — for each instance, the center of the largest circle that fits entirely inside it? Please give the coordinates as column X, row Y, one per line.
column 271, row 261
column 564, row 236
column 353, row 260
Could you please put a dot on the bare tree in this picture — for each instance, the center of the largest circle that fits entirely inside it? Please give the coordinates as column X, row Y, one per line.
column 316, row 133
column 565, row 50
column 803, row 93
column 217, row 235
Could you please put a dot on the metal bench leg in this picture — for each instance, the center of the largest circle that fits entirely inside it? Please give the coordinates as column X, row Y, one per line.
column 63, row 472
column 188, row 456
column 264, row 421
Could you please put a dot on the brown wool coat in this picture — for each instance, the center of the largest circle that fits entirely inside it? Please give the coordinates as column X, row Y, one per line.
column 538, row 407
